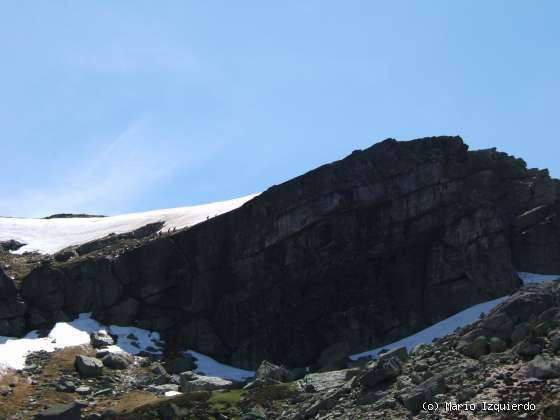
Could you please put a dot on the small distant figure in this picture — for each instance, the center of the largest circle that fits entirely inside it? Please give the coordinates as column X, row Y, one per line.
column 207, row 217
column 175, row 229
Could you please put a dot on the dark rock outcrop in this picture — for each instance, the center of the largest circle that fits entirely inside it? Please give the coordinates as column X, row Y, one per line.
column 71, row 216
column 361, row 252
column 12, row 311
column 10, row 245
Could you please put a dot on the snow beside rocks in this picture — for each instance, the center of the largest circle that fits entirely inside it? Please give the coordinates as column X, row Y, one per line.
column 210, row 367
column 13, row 351
column 51, row 235
column 537, row 278
column 461, row 319
column 439, row 329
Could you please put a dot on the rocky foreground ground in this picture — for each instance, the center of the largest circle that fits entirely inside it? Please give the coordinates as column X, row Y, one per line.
column 504, row 366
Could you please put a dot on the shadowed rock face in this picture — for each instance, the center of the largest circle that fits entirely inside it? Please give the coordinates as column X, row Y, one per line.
column 361, row 251
column 11, row 310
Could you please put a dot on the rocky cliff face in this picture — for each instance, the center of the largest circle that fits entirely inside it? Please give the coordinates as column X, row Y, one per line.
column 351, row 255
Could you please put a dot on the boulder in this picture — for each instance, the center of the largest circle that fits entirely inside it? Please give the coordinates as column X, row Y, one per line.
column 270, row 372
column 474, row 349
column 400, row 353
column 498, row 325
column 162, row 379
column 101, row 339
column 326, row 401
column 543, row 367
column 496, row 345
column 520, row 332
column 204, row 383
column 60, row 412
column 88, row 367
column 381, row 371
column 158, row 369
column 66, row 386
column 189, row 376
column 413, row 398
column 117, row 361
column 529, row 346
column 326, row 381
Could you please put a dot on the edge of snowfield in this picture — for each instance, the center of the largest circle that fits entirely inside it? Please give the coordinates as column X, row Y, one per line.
column 13, row 351
column 49, row 236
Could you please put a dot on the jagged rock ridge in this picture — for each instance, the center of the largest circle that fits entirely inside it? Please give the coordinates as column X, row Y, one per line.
column 358, row 252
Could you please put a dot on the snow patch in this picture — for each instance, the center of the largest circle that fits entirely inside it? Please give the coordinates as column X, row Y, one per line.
column 536, row 278
column 461, row 319
column 13, row 351
column 172, row 393
column 210, row 367
column 133, row 340
column 439, row 329
column 51, row 235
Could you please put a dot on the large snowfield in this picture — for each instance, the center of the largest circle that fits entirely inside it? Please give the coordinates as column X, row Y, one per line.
column 48, row 236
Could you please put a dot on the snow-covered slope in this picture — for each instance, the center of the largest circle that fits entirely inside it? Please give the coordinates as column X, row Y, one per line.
column 51, row 235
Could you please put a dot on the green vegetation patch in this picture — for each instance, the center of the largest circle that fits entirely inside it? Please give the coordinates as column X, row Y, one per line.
column 225, row 400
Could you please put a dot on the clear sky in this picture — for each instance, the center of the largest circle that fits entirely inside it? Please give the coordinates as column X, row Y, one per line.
column 119, row 106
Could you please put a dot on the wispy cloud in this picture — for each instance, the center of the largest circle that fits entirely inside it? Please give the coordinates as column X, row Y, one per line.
column 135, row 58
column 127, row 166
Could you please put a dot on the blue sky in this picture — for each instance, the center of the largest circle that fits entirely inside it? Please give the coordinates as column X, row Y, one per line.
column 112, row 107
